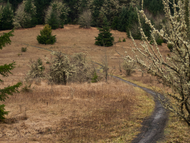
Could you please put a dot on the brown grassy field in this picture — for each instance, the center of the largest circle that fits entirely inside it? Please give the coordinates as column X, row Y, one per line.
column 98, row 112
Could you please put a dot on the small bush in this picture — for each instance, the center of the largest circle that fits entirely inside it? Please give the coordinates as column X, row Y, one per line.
column 159, row 41
column 46, row 37
column 23, row 49
column 129, row 67
column 94, row 78
column 85, row 19
column 26, row 88
column 36, row 70
column 124, row 40
column 170, row 47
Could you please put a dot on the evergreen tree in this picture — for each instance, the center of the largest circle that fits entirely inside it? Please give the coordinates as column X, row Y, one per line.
column 53, row 20
column 4, row 71
column 30, row 9
column 96, row 6
column 41, row 6
column 46, row 37
column 74, row 11
column 7, row 17
column 104, row 37
column 56, row 15
column 14, row 3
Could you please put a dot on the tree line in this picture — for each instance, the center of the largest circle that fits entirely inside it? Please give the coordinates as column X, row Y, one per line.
column 120, row 14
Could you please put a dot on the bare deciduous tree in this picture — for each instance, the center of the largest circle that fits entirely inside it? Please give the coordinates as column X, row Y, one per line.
column 174, row 71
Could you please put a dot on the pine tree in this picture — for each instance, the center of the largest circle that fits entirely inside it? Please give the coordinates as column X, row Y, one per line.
column 46, row 37
column 4, row 71
column 53, row 20
column 104, row 37
column 7, row 17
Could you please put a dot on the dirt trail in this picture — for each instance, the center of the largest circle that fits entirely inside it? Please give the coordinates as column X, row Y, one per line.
column 153, row 127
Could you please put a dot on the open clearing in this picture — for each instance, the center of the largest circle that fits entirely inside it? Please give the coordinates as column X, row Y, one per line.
column 97, row 112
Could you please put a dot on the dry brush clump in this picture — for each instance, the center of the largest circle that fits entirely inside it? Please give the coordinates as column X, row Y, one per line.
column 60, row 69
column 84, row 70
column 174, row 71
column 129, row 67
column 85, row 19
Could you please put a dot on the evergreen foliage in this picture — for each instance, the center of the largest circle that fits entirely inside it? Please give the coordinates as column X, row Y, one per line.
column 46, row 37
column 25, row 15
column 4, row 71
column 56, row 15
column 96, row 6
column 6, row 21
column 155, row 7
column 14, row 3
column 104, row 37
column 41, row 6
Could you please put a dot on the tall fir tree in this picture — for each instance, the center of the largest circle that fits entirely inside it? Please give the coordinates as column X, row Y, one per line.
column 41, row 6
column 4, row 71
column 7, row 17
column 104, row 37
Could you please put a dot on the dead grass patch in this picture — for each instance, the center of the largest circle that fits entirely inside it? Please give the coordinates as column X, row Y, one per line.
column 75, row 113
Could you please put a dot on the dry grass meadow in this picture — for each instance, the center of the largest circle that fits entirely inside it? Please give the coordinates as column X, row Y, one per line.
column 89, row 112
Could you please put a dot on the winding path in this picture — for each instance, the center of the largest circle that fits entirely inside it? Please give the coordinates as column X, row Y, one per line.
column 153, row 126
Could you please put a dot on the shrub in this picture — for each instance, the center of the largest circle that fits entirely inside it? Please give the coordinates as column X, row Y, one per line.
column 83, row 70
column 85, row 19
column 124, row 40
column 129, row 67
column 46, row 37
column 94, row 78
column 23, row 49
column 56, row 15
column 170, row 47
column 25, row 15
column 36, row 70
column 159, row 41
column 60, row 69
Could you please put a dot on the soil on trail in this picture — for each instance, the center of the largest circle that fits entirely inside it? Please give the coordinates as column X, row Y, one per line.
column 153, row 126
